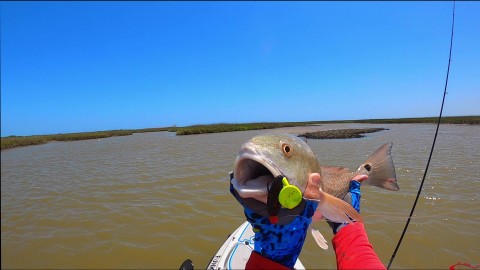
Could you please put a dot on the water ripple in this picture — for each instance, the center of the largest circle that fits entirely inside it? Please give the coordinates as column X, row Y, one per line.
column 151, row 200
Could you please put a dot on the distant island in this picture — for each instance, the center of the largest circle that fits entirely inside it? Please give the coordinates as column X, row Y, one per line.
column 340, row 133
column 18, row 141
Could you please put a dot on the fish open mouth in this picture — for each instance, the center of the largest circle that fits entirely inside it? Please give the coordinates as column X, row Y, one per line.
column 252, row 174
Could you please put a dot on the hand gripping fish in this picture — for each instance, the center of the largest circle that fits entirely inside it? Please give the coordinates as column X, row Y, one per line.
column 265, row 157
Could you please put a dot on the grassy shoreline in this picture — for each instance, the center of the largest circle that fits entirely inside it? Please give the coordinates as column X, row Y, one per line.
column 340, row 133
column 459, row 120
column 18, row 141
column 218, row 128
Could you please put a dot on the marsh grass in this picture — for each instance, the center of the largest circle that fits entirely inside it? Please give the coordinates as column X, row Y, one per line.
column 340, row 133
column 461, row 120
column 225, row 127
column 217, row 128
column 17, row 141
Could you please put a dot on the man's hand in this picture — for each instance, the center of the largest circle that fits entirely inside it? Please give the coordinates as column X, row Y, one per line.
column 352, row 197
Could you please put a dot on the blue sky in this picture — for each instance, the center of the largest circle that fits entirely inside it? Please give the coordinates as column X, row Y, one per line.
column 88, row 66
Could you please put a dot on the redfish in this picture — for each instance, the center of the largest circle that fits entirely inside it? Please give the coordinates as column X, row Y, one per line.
column 264, row 157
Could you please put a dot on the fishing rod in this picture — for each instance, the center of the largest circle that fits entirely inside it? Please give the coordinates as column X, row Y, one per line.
column 433, row 144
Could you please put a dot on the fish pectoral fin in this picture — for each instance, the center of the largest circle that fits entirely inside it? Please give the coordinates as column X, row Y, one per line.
column 336, row 210
column 319, row 239
column 317, row 216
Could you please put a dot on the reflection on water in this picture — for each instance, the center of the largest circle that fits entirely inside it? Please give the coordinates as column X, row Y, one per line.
column 152, row 200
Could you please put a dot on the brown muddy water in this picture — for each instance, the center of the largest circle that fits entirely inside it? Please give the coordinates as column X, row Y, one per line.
column 152, row 200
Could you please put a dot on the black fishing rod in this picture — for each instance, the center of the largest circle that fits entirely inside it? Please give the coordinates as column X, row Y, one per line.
column 433, row 144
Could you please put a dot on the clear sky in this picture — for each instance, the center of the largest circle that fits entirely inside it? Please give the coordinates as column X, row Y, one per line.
column 88, row 66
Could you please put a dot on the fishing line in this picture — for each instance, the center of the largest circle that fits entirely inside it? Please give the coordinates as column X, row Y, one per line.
column 433, row 144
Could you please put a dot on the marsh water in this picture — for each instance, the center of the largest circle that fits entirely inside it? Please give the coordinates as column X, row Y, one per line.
column 152, row 200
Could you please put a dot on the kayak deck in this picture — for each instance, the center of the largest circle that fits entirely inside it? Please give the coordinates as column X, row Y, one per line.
column 236, row 250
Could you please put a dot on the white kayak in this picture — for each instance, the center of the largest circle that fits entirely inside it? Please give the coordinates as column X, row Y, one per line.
column 236, row 250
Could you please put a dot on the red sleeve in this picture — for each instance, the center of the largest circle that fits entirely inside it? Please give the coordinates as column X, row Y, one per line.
column 257, row 261
column 353, row 249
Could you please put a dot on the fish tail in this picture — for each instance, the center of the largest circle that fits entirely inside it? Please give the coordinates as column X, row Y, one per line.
column 381, row 170
column 336, row 210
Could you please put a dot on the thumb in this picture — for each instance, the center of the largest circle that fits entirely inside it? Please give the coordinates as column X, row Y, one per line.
column 312, row 191
column 360, row 178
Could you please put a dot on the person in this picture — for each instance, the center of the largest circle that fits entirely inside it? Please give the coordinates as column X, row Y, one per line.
column 277, row 246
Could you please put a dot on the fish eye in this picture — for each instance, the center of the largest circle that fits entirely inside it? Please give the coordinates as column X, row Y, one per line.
column 287, row 149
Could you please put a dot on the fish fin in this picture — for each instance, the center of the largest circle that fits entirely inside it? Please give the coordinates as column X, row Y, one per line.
column 319, row 239
column 317, row 216
column 382, row 170
column 336, row 210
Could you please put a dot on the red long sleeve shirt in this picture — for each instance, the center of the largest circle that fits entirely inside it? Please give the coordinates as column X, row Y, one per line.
column 351, row 245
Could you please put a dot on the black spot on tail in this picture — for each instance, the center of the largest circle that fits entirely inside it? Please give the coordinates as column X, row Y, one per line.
column 367, row 167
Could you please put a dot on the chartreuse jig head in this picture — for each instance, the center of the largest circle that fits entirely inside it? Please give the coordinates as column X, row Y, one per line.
column 290, row 196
